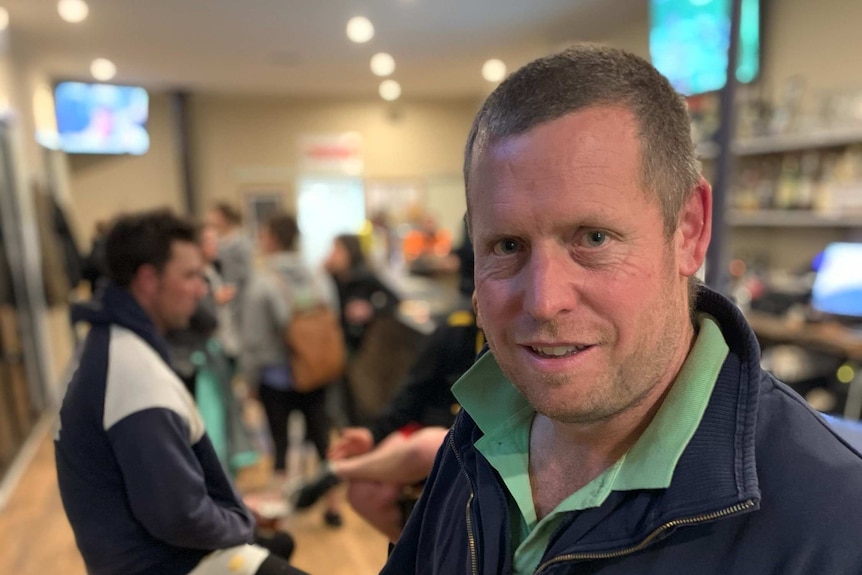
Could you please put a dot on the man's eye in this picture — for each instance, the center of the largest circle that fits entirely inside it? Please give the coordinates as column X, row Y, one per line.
column 506, row 247
column 596, row 238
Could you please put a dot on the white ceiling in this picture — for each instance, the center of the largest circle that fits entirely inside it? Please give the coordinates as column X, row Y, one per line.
column 298, row 47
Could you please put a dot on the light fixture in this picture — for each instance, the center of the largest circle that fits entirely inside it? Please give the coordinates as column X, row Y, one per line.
column 390, row 90
column 494, row 70
column 103, row 69
column 73, row 11
column 4, row 19
column 360, row 29
column 382, row 64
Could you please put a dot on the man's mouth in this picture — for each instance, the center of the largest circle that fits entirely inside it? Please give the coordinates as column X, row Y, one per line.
column 557, row 351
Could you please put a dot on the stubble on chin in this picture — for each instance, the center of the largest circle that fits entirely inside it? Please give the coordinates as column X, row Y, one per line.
column 587, row 406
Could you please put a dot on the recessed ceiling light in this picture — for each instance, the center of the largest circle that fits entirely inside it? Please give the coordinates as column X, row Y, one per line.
column 494, row 70
column 360, row 29
column 390, row 90
column 73, row 11
column 382, row 64
column 103, row 69
column 4, row 19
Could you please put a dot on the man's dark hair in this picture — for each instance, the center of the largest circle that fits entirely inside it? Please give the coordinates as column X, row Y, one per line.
column 586, row 76
column 228, row 212
column 353, row 247
column 144, row 238
column 284, row 230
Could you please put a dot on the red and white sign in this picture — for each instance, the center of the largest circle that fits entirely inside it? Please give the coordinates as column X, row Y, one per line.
column 331, row 153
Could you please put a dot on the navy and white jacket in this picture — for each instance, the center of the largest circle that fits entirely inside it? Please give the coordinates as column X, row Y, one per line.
column 764, row 487
column 140, row 480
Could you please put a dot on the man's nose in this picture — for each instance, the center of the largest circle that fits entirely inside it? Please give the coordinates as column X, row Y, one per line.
column 548, row 286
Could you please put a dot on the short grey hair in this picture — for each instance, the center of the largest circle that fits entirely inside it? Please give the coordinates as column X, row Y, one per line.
column 586, row 76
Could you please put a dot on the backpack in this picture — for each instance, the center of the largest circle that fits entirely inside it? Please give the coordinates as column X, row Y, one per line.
column 314, row 341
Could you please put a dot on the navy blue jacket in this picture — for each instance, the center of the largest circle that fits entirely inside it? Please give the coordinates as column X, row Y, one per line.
column 765, row 486
column 140, row 481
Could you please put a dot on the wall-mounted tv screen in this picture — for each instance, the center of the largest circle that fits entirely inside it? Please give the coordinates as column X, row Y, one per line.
column 101, row 118
column 689, row 39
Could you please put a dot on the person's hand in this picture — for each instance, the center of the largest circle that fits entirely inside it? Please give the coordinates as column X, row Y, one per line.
column 358, row 311
column 245, row 392
column 354, row 441
column 224, row 294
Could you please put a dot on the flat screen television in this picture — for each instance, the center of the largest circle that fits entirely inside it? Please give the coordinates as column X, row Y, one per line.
column 101, row 118
column 838, row 284
column 688, row 42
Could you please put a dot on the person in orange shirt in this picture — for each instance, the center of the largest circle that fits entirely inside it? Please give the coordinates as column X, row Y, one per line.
column 427, row 241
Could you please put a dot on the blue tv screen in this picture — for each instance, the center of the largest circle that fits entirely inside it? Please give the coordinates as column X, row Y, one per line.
column 101, row 118
column 689, row 39
column 838, row 285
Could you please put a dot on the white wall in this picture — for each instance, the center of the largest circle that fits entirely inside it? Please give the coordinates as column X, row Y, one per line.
column 243, row 143
column 819, row 40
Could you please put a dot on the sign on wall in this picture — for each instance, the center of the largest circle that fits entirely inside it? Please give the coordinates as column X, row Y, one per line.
column 338, row 153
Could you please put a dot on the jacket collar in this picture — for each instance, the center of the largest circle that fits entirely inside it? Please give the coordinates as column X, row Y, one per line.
column 718, row 468
column 117, row 306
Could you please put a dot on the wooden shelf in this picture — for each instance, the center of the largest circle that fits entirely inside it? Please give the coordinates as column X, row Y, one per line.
column 798, row 142
column 791, row 219
column 786, row 143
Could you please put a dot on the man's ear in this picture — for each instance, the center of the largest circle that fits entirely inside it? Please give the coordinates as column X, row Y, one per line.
column 694, row 229
column 475, row 301
column 146, row 280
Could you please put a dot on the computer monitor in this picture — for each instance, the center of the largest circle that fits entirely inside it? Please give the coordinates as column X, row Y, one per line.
column 838, row 285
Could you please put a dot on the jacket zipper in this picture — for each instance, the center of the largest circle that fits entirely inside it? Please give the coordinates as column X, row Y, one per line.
column 739, row 507
column 471, row 539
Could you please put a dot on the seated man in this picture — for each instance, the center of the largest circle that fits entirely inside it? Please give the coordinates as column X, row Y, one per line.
column 140, row 481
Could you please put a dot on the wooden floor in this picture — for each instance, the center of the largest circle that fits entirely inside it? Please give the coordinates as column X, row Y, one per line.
column 36, row 538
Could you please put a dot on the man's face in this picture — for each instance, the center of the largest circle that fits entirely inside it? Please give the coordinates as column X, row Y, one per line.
column 579, row 292
column 179, row 287
column 209, row 244
column 218, row 222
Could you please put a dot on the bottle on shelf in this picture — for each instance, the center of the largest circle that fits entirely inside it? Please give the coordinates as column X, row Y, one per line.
column 787, row 191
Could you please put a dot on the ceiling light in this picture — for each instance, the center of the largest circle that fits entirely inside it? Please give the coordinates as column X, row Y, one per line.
column 360, row 29
column 382, row 64
column 103, row 69
column 73, row 11
column 494, row 70
column 390, row 90
column 4, row 19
